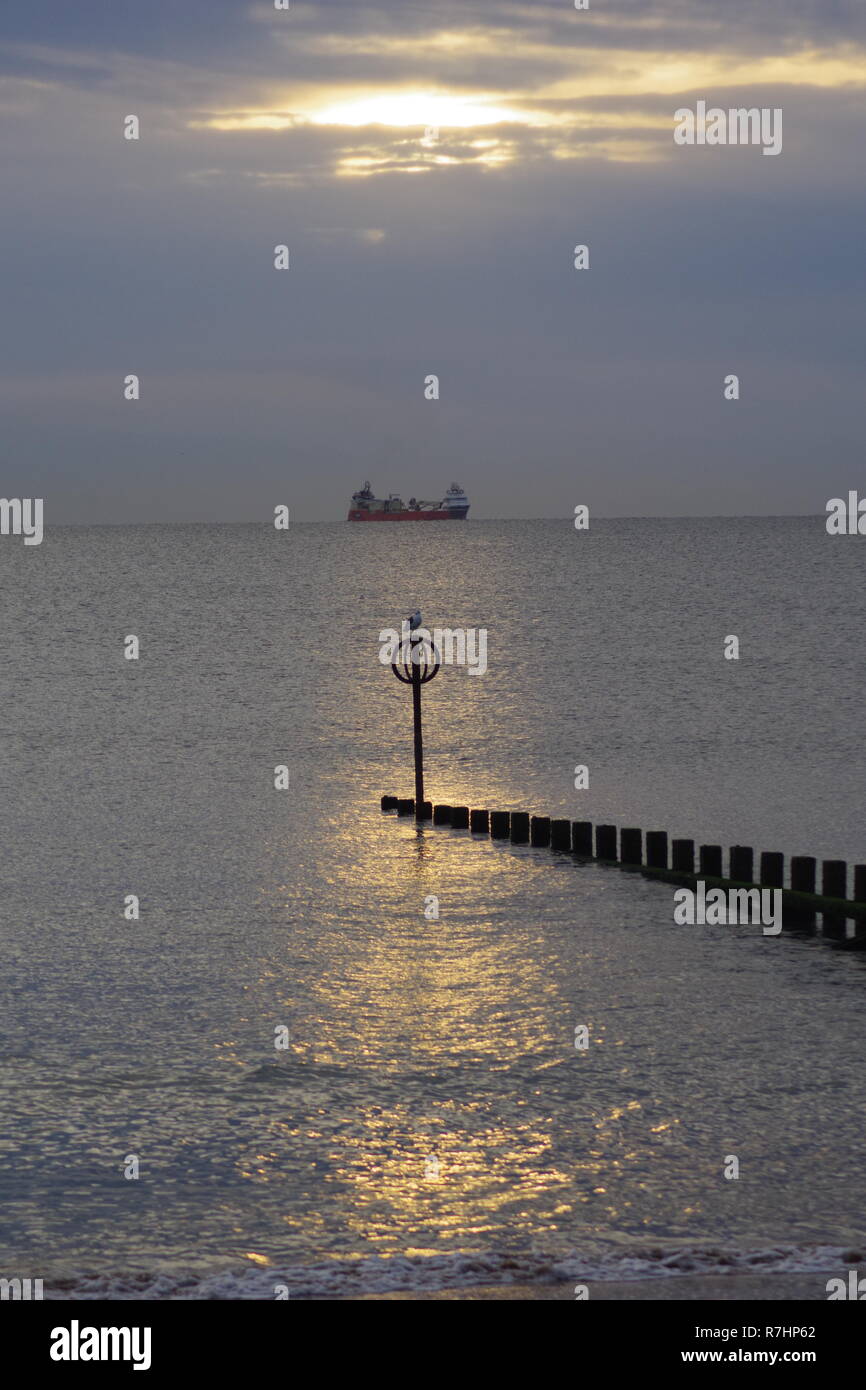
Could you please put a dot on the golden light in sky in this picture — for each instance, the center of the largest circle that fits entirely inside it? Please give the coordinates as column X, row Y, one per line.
column 557, row 118
column 415, row 109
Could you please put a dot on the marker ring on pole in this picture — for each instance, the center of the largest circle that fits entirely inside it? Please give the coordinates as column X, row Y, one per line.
column 426, row 663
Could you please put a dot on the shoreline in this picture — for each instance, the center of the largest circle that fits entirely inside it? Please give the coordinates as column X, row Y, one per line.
column 697, row 1288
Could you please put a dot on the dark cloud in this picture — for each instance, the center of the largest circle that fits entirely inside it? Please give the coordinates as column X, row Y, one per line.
column 257, row 40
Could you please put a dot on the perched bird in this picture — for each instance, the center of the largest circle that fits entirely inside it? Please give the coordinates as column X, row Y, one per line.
column 415, row 620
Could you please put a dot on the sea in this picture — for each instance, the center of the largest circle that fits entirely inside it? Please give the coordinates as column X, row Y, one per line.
column 240, row 1057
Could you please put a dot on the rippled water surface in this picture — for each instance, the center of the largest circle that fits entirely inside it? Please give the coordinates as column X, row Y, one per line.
column 431, row 1101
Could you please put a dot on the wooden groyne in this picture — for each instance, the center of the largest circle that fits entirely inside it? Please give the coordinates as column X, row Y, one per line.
column 807, row 891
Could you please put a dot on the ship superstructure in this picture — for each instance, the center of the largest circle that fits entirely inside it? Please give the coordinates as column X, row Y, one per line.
column 365, row 506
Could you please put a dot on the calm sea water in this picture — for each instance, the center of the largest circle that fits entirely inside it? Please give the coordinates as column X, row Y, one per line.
column 431, row 1122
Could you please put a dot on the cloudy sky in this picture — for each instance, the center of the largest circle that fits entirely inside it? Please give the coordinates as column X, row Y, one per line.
column 412, row 255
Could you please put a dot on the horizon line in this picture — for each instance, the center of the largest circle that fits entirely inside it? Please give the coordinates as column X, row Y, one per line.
column 681, row 516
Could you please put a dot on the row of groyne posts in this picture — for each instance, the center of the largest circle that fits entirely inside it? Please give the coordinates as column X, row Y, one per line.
column 652, row 853
column 655, row 854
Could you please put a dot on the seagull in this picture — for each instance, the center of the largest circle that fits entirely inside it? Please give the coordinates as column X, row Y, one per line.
column 415, row 620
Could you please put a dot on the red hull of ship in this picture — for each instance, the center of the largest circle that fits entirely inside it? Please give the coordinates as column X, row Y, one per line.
column 405, row 516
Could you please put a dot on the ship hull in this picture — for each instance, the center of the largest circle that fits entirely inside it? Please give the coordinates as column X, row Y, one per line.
column 407, row 516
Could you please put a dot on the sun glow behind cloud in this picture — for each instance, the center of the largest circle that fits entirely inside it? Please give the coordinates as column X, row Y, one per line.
column 612, row 102
column 405, row 131
column 413, row 108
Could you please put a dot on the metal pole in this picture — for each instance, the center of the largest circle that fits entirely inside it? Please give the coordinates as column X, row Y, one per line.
column 416, row 668
column 419, row 744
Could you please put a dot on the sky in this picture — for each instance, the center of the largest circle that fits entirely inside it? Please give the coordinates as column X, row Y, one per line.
column 413, row 253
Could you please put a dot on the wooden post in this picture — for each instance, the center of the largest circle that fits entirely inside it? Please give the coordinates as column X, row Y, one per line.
column 499, row 826
column 711, row 861
column 519, row 827
column 424, row 810
column 834, row 884
column 441, row 815
column 539, row 830
column 657, row 849
column 405, row 806
column 631, row 846
column 683, row 855
column 834, row 878
column 460, row 817
column 803, row 873
column 741, row 868
column 772, row 870
column 802, row 881
column 560, row 834
column 605, row 842
column 389, row 803
column 581, row 838
column 479, row 822
column 859, row 896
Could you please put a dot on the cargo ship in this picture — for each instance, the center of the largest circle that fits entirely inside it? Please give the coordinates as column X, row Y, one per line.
column 366, row 507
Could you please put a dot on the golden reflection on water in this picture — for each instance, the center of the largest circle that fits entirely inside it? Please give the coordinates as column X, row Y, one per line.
column 435, row 1092
column 451, row 992
column 427, row 1021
